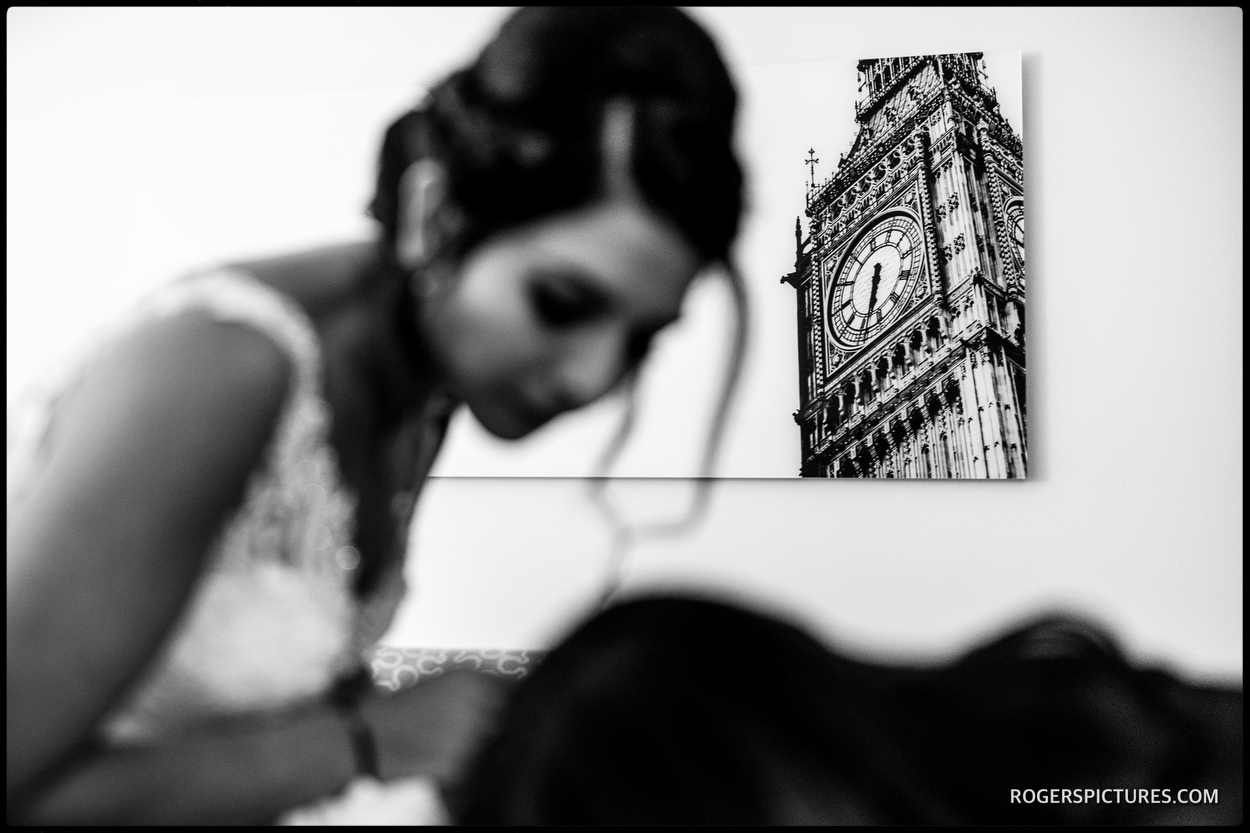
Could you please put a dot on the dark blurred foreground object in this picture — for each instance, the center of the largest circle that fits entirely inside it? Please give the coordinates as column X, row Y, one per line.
column 671, row 710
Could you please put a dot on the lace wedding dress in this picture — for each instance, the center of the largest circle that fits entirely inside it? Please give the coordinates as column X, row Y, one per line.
column 274, row 622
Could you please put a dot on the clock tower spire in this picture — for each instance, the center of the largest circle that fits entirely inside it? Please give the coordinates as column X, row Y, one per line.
column 910, row 286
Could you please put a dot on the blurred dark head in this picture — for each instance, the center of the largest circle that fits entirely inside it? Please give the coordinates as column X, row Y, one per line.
column 688, row 711
column 691, row 711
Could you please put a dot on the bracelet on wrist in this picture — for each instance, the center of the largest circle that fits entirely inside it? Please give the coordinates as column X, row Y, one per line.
column 364, row 744
column 346, row 701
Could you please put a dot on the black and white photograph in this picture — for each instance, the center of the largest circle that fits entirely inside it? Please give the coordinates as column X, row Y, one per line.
column 480, row 415
column 910, row 283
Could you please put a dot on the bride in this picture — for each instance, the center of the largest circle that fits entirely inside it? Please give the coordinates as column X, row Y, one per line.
column 208, row 515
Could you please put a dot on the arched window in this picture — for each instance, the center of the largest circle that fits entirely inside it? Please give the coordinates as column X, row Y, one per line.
column 916, row 350
column 946, row 455
column 934, row 335
column 883, row 374
column 927, row 460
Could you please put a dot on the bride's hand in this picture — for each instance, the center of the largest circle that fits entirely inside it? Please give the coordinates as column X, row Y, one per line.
column 432, row 728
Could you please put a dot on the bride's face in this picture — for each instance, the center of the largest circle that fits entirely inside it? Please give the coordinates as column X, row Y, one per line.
column 550, row 316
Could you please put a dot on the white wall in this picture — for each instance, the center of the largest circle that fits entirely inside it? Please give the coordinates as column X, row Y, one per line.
column 1133, row 133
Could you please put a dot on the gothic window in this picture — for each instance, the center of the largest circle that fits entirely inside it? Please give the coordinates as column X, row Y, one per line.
column 900, row 362
column 883, row 374
column 952, row 394
column 927, row 460
column 916, row 355
column 934, row 335
column 946, row 455
column 865, row 390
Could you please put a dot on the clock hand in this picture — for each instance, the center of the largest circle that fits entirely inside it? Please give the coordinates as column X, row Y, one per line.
column 876, row 281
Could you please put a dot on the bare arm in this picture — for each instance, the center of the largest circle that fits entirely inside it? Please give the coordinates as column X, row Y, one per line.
column 250, row 773
column 243, row 774
column 147, row 458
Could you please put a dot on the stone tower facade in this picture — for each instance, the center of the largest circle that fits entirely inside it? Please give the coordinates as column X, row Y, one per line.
column 910, row 286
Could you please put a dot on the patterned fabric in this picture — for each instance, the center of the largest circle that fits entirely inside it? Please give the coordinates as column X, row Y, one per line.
column 394, row 668
column 410, row 801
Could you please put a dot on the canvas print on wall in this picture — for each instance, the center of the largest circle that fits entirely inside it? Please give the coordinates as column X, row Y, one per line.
column 910, row 282
column 917, row 171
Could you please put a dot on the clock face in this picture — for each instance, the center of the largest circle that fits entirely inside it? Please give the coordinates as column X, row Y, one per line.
column 874, row 280
column 1015, row 228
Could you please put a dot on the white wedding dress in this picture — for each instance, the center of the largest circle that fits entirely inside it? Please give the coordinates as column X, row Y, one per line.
column 274, row 622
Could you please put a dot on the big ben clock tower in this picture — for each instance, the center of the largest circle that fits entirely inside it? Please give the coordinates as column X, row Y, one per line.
column 910, row 286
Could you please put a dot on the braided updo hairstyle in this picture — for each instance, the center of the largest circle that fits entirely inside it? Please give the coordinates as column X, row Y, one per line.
column 519, row 130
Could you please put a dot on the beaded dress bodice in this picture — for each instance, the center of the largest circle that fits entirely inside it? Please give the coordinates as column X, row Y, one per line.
column 274, row 620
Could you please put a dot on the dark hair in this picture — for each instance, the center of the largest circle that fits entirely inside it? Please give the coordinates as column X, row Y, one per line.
column 520, row 129
column 692, row 711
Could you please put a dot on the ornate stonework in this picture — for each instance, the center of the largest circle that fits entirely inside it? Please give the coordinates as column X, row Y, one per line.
column 911, row 344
